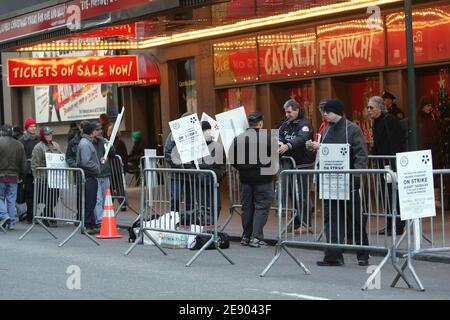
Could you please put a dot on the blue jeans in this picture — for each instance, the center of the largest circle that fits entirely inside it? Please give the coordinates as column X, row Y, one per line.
column 8, row 191
column 103, row 184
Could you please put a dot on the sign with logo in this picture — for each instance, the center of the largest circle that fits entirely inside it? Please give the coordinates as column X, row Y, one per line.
column 188, row 136
column 214, row 126
column 56, row 179
column 72, row 70
column 231, row 123
column 334, row 157
column 415, row 184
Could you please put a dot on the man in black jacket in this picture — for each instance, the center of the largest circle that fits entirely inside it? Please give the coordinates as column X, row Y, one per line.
column 388, row 140
column 391, row 106
column 342, row 131
column 256, row 178
column 293, row 134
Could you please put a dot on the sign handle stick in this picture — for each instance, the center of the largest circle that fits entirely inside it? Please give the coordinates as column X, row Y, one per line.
column 113, row 135
column 196, row 164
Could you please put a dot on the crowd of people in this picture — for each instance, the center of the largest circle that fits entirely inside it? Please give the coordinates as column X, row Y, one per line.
column 23, row 153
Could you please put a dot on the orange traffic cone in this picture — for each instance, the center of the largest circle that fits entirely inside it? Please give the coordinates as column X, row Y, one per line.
column 109, row 226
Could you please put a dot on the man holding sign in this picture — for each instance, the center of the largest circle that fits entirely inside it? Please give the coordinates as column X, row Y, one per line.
column 343, row 132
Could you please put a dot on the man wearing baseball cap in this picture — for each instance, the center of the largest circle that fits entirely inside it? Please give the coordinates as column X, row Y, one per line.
column 29, row 140
column 257, row 185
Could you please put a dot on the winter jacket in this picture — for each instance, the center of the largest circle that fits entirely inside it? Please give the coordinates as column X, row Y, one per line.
column 242, row 149
column 345, row 131
column 29, row 141
column 396, row 111
column 210, row 162
column 137, row 152
column 168, row 147
column 87, row 158
column 71, row 152
column 429, row 135
column 38, row 154
column 387, row 135
column 121, row 150
column 295, row 134
column 12, row 159
column 99, row 145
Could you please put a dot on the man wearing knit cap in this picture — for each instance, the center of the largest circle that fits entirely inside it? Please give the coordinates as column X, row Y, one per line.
column 29, row 140
column 392, row 106
column 342, row 131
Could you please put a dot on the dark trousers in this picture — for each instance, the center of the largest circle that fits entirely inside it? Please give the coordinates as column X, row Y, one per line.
column 50, row 196
column 180, row 190
column 90, row 199
column 28, row 196
column 399, row 224
column 256, row 200
column 302, row 203
column 336, row 222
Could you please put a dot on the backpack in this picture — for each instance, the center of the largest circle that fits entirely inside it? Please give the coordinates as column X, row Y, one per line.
column 199, row 242
column 132, row 234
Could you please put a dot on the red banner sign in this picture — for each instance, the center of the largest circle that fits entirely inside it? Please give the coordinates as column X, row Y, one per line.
column 350, row 45
column 235, row 61
column 287, row 54
column 431, row 34
column 47, row 71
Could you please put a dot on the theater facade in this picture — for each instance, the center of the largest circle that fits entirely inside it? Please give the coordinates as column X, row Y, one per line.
column 212, row 56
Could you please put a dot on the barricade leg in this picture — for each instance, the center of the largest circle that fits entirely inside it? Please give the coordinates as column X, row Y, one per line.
column 139, row 239
column 206, row 245
column 377, row 271
column 408, row 263
column 278, row 250
column 39, row 221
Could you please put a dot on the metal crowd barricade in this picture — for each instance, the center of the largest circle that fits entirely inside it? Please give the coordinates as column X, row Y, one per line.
column 342, row 221
column 118, row 184
column 234, row 188
column 59, row 196
column 434, row 230
column 179, row 201
column 382, row 162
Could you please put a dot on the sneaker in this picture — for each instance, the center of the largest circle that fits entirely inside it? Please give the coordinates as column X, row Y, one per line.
column 90, row 231
column 4, row 221
column 256, row 243
column 52, row 224
column 245, row 241
column 363, row 263
column 325, row 263
column 12, row 227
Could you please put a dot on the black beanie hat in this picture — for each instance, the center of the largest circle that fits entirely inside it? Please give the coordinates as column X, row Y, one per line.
column 205, row 125
column 335, row 106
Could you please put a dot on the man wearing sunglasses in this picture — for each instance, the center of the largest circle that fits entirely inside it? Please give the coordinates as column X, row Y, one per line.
column 387, row 140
